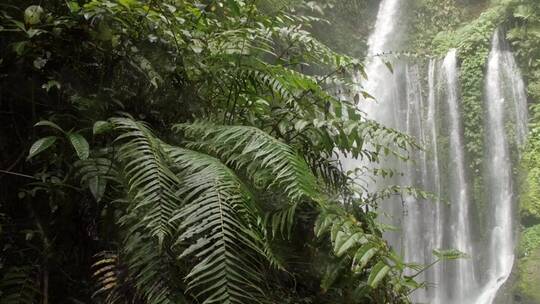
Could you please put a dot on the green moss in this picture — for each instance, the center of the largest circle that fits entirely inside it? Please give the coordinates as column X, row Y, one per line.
column 530, row 201
column 473, row 40
column 530, row 241
column 428, row 18
column 529, row 265
column 530, row 173
column 473, row 43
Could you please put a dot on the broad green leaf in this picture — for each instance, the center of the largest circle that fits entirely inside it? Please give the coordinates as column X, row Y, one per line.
column 149, row 176
column 32, row 14
column 217, row 216
column 355, row 239
column 300, row 125
column 73, row 6
column 46, row 123
column 79, row 144
column 363, row 255
column 334, row 231
column 339, row 240
column 234, row 7
column 51, row 84
column 101, row 127
column 323, row 224
column 331, row 274
column 367, row 95
column 451, row 254
column 97, row 186
column 41, row 145
column 378, row 273
column 127, row 3
column 388, row 64
column 411, row 283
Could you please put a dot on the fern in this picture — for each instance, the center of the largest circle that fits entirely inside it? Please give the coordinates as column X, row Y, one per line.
column 217, row 223
column 95, row 173
column 253, row 150
column 18, row 286
column 106, row 274
column 360, row 247
column 151, row 184
column 151, row 271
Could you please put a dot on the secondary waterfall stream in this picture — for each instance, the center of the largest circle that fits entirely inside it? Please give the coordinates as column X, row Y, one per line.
column 424, row 101
column 505, row 102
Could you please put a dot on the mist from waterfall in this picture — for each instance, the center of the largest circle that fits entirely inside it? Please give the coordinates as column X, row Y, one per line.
column 424, row 101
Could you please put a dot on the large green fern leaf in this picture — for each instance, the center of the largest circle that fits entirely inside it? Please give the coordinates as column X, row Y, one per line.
column 217, row 227
column 151, row 184
column 255, row 151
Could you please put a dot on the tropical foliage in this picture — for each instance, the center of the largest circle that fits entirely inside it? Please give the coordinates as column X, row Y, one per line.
column 185, row 152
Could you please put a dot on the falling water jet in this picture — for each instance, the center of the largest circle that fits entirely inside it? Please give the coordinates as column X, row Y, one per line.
column 381, row 85
column 505, row 102
column 462, row 281
column 442, row 168
column 435, row 236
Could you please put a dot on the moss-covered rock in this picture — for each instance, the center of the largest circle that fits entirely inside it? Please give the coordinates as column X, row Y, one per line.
column 528, row 284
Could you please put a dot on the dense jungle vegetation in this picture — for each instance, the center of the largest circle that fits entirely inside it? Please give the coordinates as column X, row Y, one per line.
column 187, row 151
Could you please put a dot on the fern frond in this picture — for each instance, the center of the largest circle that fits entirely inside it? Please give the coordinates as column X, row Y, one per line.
column 95, row 173
column 106, row 273
column 139, row 272
column 265, row 78
column 366, row 253
column 217, row 226
column 282, row 220
column 151, row 184
column 253, row 150
column 18, row 286
column 151, row 271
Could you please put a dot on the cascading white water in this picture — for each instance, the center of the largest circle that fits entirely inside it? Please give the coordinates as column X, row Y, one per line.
column 442, row 168
column 436, row 233
column 417, row 212
column 462, row 280
column 381, row 81
column 381, row 85
column 505, row 102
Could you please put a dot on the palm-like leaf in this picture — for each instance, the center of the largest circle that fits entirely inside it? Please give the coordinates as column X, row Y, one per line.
column 105, row 273
column 352, row 242
column 217, row 221
column 17, row 286
column 95, row 173
column 151, row 184
column 152, row 271
column 251, row 149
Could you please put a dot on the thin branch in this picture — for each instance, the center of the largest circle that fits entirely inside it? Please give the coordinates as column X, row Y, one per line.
column 18, row 174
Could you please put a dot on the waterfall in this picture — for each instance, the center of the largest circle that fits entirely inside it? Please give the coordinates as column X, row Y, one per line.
column 381, row 81
column 433, row 115
column 382, row 85
column 461, row 279
column 417, row 212
column 435, row 275
column 505, row 102
column 380, row 40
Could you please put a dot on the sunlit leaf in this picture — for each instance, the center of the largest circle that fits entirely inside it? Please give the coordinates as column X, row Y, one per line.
column 79, row 143
column 41, row 145
column 379, row 271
